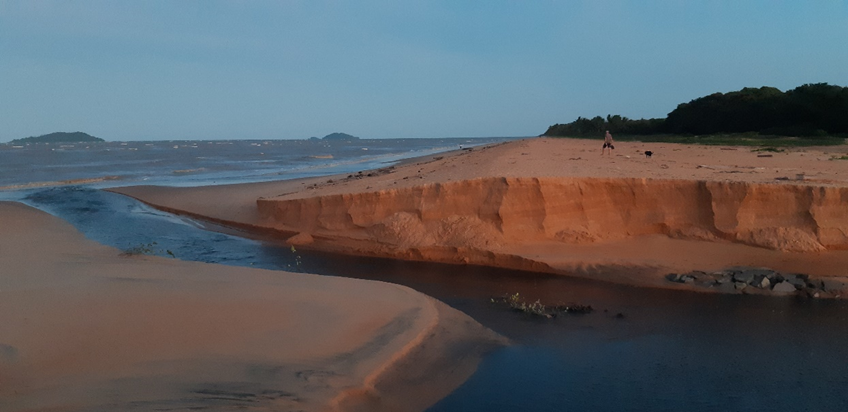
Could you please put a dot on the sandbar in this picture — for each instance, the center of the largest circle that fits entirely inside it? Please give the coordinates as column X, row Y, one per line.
column 84, row 327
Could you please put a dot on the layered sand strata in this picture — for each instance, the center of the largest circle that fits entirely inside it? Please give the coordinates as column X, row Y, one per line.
column 84, row 328
column 556, row 205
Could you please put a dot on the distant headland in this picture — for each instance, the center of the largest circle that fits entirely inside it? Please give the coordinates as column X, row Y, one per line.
column 336, row 136
column 58, row 137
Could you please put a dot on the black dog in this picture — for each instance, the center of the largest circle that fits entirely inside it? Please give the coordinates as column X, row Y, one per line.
column 648, row 153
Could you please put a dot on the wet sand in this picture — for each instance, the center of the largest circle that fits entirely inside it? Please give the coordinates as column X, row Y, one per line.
column 83, row 327
column 637, row 256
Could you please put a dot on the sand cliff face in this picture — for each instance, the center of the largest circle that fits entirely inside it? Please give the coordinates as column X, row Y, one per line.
column 487, row 212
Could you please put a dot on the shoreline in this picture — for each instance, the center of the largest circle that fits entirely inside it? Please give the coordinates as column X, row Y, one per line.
column 84, row 327
column 323, row 209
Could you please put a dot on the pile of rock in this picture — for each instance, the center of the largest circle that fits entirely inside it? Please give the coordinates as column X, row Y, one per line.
column 761, row 280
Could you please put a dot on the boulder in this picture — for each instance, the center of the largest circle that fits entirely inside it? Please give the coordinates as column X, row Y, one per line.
column 799, row 281
column 751, row 274
column 762, row 272
column 761, row 282
column 743, row 277
column 784, row 287
column 815, row 284
column 775, row 277
column 833, row 285
column 706, row 281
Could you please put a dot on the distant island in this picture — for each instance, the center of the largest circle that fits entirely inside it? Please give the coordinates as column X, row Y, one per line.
column 336, row 136
column 811, row 111
column 58, row 137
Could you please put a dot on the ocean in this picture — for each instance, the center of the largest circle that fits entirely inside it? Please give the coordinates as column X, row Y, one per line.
column 193, row 163
column 639, row 350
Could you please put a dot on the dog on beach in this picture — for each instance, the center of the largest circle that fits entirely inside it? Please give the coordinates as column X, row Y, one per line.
column 648, row 153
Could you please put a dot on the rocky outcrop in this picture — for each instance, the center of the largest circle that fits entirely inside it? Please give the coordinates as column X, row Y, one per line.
column 763, row 281
column 483, row 213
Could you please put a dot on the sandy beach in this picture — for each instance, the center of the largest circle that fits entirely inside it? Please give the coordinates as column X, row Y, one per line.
column 558, row 206
column 85, row 328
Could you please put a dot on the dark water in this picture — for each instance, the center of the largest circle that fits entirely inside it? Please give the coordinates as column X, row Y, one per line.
column 670, row 351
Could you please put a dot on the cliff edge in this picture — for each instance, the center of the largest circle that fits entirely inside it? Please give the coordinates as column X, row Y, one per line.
column 489, row 212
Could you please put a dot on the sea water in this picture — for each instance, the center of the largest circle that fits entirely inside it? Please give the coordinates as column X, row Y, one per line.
column 640, row 349
column 192, row 163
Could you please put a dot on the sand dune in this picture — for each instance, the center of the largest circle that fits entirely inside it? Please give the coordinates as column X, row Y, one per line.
column 83, row 328
column 556, row 205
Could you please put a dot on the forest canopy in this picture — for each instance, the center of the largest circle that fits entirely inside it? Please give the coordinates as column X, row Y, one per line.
column 811, row 110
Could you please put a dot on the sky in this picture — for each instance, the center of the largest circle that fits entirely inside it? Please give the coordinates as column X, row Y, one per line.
column 166, row 70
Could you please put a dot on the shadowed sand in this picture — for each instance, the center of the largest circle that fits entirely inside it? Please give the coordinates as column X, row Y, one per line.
column 83, row 328
column 558, row 206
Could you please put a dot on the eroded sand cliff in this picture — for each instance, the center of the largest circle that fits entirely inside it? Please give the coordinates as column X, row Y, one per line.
column 489, row 212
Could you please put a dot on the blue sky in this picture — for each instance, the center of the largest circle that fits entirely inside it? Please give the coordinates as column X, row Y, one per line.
column 149, row 70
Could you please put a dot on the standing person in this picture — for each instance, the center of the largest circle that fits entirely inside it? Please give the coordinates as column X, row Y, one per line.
column 607, row 143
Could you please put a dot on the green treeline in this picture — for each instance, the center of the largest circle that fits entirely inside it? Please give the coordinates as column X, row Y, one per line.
column 811, row 110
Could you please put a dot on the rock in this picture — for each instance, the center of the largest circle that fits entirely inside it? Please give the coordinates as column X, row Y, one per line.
column 700, row 278
column 706, row 282
column 784, row 287
column 775, row 277
column 737, row 279
column 753, row 276
column 673, row 277
column 812, row 293
column 799, row 281
column 743, row 277
column 833, row 285
column 763, row 272
column 815, row 284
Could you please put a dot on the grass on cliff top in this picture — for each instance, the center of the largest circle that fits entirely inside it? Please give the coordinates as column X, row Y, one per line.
column 740, row 139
